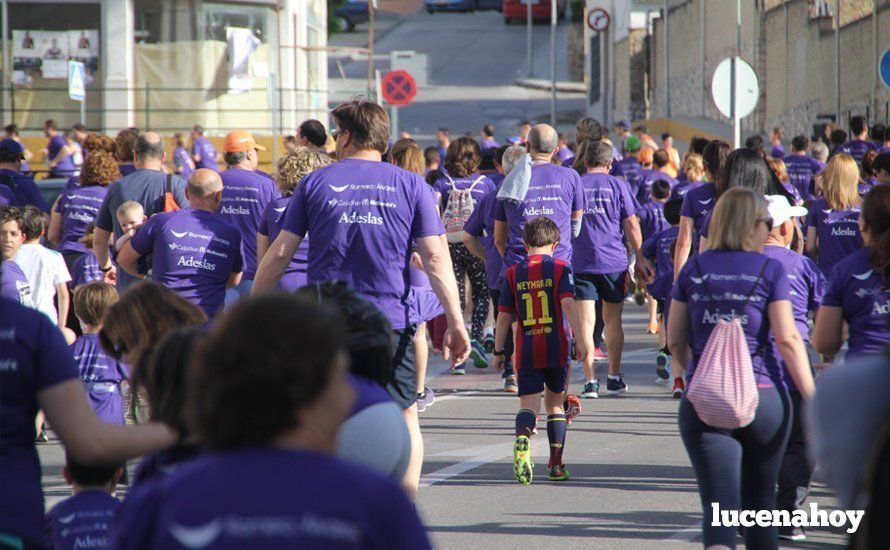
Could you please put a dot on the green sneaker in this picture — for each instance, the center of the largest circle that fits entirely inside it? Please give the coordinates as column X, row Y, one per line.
column 522, row 463
column 558, row 473
column 477, row 355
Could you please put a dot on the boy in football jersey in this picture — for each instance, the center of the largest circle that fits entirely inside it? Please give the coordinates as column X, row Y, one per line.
column 535, row 293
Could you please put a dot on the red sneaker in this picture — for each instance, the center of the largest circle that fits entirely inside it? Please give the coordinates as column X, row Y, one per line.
column 572, row 408
column 599, row 354
column 679, row 388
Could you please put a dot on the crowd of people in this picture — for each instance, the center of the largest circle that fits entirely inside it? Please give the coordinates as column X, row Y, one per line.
column 179, row 313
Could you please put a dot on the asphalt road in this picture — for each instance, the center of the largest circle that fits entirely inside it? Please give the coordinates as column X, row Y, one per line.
column 474, row 60
column 631, row 486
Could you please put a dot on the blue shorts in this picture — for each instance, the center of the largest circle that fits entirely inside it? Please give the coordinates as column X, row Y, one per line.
column 532, row 381
column 608, row 287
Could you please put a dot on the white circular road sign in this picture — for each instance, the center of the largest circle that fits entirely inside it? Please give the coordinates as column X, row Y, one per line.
column 598, row 20
column 747, row 90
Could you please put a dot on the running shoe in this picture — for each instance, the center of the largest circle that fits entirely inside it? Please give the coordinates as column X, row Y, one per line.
column 615, row 387
column 477, row 355
column 523, row 469
column 459, row 369
column 488, row 343
column 425, row 399
column 510, row 385
column 679, row 388
column 572, row 407
column 558, row 472
column 591, row 390
column 661, row 367
column 599, row 354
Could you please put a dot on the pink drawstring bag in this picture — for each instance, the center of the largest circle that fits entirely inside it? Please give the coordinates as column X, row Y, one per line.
column 723, row 390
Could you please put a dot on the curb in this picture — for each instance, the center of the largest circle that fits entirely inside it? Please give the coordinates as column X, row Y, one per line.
column 563, row 87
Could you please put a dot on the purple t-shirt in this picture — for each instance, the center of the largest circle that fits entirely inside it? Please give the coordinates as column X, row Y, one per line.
column 193, row 253
column 856, row 288
column 283, row 499
column 182, row 161
column 793, row 191
column 679, row 191
column 13, row 283
column 65, row 167
column 697, row 204
column 645, row 181
column 6, row 196
column 599, row 248
column 488, row 144
column 717, row 284
column 85, row 269
column 554, row 192
column 652, row 219
column 658, row 249
column 856, row 148
column 126, row 168
column 481, row 224
column 23, row 189
column 81, row 521
column 837, row 231
column 270, row 225
column 79, row 207
column 204, row 148
column 777, row 152
column 367, row 393
column 806, row 282
column 363, row 217
column 245, row 196
column 564, row 154
column 480, row 189
column 617, row 168
column 102, row 376
column 33, row 357
column 801, row 170
column 631, row 168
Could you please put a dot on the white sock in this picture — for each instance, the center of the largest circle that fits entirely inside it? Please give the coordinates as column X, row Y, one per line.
column 614, row 377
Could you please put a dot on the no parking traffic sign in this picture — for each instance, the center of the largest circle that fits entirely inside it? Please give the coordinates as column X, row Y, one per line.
column 399, row 88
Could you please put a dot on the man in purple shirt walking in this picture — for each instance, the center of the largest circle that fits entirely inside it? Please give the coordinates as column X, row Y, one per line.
column 245, row 196
column 203, row 151
column 860, row 144
column 363, row 215
column 194, row 251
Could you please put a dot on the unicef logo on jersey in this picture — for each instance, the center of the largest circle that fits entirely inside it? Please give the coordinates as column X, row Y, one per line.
column 712, row 318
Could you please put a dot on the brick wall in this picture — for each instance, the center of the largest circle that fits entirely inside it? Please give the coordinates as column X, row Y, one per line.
column 794, row 57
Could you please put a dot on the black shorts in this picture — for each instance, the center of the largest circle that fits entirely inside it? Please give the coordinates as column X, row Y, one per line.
column 608, row 287
column 532, row 381
column 660, row 309
column 403, row 388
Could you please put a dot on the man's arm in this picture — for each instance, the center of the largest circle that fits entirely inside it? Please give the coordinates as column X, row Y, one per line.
column 128, row 259
column 101, row 238
column 684, row 244
column 500, row 236
column 644, row 267
column 500, row 337
column 438, row 267
column 274, row 263
column 571, row 310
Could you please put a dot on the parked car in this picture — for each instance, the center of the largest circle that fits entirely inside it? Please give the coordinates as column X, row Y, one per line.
column 353, row 12
column 450, row 5
column 516, row 11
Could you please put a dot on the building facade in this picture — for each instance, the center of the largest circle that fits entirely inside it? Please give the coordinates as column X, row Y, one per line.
column 166, row 65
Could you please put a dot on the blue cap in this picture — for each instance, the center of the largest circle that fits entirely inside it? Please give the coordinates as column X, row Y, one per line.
column 10, row 146
column 623, row 123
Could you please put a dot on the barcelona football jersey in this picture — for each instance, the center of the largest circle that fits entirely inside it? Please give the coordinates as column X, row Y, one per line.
column 532, row 291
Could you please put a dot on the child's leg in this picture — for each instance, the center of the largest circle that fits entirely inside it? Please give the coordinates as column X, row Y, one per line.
column 652, row 305
column 527, row 415
column 556, row 425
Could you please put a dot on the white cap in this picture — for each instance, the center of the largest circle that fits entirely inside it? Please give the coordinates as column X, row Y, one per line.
column 780, row 210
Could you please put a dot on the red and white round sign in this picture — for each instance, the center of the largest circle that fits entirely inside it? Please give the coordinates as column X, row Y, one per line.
column 598, row 20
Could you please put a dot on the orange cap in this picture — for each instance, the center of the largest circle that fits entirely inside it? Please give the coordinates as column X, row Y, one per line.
column 239, row 141
column 646, row 155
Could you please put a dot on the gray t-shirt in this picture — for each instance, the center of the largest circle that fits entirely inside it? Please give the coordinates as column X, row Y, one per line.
column 147, row 187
